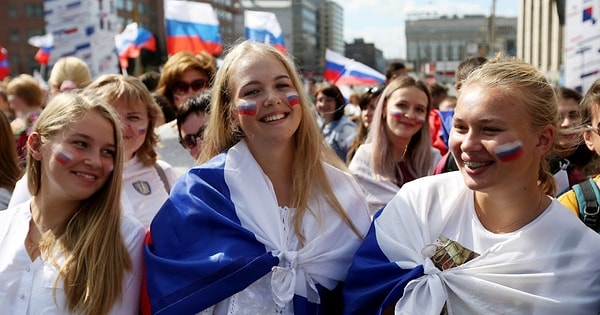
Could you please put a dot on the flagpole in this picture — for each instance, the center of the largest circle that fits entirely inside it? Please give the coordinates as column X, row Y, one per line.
column 43, row 70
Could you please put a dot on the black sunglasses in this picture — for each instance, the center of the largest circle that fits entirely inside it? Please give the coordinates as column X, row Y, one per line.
column 196, row 85
column 190, row 141
column 375, row 90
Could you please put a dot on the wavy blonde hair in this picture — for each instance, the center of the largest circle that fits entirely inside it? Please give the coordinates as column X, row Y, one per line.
column 96, row 257
column 519, row 80
column 222, row 132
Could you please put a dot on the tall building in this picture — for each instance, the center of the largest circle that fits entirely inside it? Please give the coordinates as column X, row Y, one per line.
column 444, row 41
column 366, row 53
column 21, row 19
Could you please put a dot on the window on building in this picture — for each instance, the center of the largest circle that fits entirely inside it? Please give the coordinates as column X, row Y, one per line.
column 12, row 11
column 34, row 10
column 13, row 36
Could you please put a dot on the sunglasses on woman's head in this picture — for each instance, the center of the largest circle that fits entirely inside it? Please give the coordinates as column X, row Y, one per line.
column 196, row 85
column 376, row 89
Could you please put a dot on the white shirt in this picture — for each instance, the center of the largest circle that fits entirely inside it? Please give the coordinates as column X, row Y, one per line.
column 170, row 150
column 26, row 286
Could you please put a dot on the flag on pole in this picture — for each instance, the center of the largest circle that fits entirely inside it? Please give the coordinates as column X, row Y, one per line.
column 131, row 41
column 4, row 66
column 345, row 71
column 263, row 27
column 44, row 43
column 192, row 26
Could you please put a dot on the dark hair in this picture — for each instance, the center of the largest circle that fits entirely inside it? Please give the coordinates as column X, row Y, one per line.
column 392, row 67
column 331, row 90
column 568, row 93
column 437, row 89
column 199, row 103
column 465, row 67
column 150, row 79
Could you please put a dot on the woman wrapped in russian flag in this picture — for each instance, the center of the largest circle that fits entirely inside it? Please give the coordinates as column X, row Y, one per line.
column 489, row 239
column 269, row 221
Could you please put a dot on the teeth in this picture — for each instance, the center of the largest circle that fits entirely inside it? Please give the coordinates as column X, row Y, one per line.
column 274, row 117
column 86, row 176
column 474, row 165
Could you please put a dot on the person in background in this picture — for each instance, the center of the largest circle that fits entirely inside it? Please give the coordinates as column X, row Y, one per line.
column 393, row 70
column 183, row 75
column 5, row 105
column 26, row 99
column 367, row 102
column 438, row 93
column 352, row 109
column 279, row 244
column 448, row 103
column 150, row 80
column 147, row 180
column 192, row 117
column 10, row 169
column 69, row 73
column 588, row 119
column 398, row 148
column 338, row 130
column 68, row 250
column 489, row 239
column 573, row 156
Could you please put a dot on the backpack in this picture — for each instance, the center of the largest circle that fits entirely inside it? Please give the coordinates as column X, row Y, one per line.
column 588, row 194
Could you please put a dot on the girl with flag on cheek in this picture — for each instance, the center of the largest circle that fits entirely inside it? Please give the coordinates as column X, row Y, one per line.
column 269, row 222
column 489, row 239
column 68, row 250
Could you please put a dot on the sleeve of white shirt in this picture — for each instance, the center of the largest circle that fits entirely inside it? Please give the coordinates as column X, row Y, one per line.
column 20, row 194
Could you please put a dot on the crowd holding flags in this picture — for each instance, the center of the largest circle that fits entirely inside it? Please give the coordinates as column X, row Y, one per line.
column 192, row 26
column 263, row 27
column 345, row 71
column 131, row 41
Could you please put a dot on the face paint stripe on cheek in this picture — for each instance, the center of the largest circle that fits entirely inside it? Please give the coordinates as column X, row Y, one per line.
column 63, row 157
column 396, row 113
column 509, row 151
column 246, row 108
column 142, row 131
column 293, row 98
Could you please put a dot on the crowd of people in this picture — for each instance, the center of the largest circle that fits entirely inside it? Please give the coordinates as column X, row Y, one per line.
column 238, row 190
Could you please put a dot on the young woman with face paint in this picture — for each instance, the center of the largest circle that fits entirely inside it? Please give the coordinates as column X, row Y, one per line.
column 489, row 239
column 270, row 220
column 146, row 179
column 69, row 249
column 398, row 148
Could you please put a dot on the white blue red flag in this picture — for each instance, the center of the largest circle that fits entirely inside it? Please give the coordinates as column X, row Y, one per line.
column 131, row 41
column 262, row 26
column 345, row 71
column 192, row 26
column 4, row 66
column 45, row 44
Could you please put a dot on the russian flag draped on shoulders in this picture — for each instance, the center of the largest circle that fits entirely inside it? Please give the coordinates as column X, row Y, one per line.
column 45, row 44
column 220, row 231
column 131, row 41
column 263, row 27
column 192, row 26
column 345, row 71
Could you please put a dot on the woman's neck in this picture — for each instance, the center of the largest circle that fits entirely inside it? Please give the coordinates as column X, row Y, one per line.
column 48, row 213
column 277, row 164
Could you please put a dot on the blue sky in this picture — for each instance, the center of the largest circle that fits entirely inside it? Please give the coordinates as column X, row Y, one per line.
column 382, row 21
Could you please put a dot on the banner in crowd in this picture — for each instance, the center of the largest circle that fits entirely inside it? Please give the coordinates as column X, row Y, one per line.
column 192, row 26
column 264, row 27
column 44, row 43
column 582, row 45
column 131, row 41
column 345, row 71
column 4, row 66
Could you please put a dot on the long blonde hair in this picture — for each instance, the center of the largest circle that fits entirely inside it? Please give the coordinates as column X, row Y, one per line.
column 418, row 157
column 517, row 79
column 96, row 257
column 222, row 132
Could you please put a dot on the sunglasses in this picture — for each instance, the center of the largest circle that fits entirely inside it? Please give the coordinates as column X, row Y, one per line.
column 190, row 141
column 375, row 90
column 196, row 85
column 595, row 129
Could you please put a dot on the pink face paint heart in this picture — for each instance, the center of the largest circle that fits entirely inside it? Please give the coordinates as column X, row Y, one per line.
column 63, row 157
column 509, row 151
column 293, row 98
column 245, row 107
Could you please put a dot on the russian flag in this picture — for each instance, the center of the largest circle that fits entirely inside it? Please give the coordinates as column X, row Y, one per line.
column 131, row 41
column 344, row 71
column 263, row 27
column 192, row 26
column 4, row 66
column 44, row 43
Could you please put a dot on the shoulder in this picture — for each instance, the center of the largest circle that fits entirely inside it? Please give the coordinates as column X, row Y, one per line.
column 442, row 185
column 132, row 230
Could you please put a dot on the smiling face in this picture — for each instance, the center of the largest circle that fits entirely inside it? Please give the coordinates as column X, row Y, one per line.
column 268, row 109
column 134, row 124
column 77, row 161
column 405, row 113
column 493, row 141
